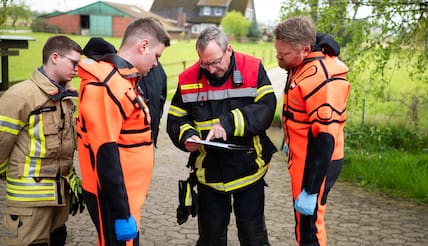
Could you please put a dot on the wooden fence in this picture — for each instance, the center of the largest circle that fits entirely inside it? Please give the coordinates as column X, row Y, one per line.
column 173, row 69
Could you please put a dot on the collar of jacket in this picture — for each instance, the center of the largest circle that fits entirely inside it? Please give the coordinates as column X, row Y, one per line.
column 55, row 90
column 314, row 55
column 126, row 69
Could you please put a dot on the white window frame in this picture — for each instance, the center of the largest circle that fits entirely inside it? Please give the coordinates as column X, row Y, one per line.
column 218, row 11
column 206, row 10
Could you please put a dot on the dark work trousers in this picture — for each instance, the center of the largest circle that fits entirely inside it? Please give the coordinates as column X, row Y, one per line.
column 215, row 209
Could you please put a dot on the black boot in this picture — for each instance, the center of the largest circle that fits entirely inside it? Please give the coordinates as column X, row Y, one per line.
column 58, row 236
column 253, row 233
column 212, row 232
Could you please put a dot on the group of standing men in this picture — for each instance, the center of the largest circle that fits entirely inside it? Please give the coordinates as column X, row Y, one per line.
column 226, row 96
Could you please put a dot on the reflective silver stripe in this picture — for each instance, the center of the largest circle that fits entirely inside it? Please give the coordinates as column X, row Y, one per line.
column 238, row 183
column 176, row 111
column 28, row 190
column 33, row 184
column 259, row 148
column 188, row 199
column 218, row 95
column 206, row 125
column 10, row 125
column 198, row 163
column 238, row 120
column 33, row 196
column 233, row 185
column 184, row 128
column 262, row 91
column 37, row 146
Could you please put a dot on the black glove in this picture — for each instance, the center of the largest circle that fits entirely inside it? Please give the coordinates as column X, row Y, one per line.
column 188, row 201
column 76, row 193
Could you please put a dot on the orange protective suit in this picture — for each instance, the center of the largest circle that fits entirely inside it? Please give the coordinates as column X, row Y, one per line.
column 314, row 115
column 114, row 143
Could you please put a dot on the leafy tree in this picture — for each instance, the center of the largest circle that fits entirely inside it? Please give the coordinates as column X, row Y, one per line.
column 254, row 31
column 21, row 11
column 234, row 23
column 3, row 11
column 393, row 34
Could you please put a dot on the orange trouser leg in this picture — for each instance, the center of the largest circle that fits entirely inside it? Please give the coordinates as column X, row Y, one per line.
column 310, row 229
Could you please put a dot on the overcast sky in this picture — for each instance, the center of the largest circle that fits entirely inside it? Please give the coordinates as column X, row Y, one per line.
column 267, row 11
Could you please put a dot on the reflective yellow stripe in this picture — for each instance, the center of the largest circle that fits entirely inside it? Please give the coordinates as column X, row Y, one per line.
column 10, row 125
column 27, row 190
column 206, row 125
column 191, row 86
column 37, row 146
column 262, row 91
column 258, row 147
column 188, row 199
column 199, row 161
column 3, row 166
column 176, row 111
column 238, row 119
column 184, row 128
column 236, row 184
column 239, row 183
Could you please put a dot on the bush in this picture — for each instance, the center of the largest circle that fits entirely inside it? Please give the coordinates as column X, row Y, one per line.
column 40, row 25
column 254, row 33
column 380, row 138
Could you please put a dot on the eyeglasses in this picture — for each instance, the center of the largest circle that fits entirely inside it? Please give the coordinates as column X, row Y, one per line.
column 215, row 63
column 73, row 62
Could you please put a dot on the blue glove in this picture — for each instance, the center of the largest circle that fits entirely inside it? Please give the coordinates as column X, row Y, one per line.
column 305, row 203
column 126, row 229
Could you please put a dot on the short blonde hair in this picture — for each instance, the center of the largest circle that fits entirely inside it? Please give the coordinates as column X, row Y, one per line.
column 298, row 31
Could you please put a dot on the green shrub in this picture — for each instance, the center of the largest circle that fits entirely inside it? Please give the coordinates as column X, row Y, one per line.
column 380, row 138
column 40, row 25
column 390, row 160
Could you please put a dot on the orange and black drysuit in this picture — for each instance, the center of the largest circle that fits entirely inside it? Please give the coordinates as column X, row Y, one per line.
column 114, row 143
column 245, row 112
column 314, row 115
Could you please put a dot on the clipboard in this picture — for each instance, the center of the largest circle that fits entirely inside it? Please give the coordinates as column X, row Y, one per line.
column 222, row 145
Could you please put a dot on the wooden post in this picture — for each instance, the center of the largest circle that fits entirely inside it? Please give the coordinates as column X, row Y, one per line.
column 6, row 43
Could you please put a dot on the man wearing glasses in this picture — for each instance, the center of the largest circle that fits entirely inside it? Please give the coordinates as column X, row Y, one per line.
column 37, row 146
column 225, row 97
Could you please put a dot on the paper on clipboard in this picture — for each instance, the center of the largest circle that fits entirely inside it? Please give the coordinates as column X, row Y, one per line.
column 222, row 145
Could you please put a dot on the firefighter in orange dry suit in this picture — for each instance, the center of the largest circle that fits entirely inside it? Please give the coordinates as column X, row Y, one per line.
column 114, row 136
column 314, row 115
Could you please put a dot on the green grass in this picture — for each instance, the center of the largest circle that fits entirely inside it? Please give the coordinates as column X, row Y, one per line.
column 175, row 58
column 398, row 174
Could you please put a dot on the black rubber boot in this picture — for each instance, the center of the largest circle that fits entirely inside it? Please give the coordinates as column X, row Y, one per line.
column 253, row 233
column 212, row 232
column 58, row 236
